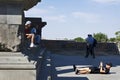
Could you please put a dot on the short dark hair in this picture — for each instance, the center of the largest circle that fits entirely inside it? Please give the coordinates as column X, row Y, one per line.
column 110, row 64
column 89, row 35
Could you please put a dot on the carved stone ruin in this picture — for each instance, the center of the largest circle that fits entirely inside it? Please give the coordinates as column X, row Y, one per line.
column 11, row 18
column 14, row 66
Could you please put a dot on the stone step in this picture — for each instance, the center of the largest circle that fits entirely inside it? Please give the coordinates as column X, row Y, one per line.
column 11, row 59
column 17, row 66
column 11, row 54
column 18, row 75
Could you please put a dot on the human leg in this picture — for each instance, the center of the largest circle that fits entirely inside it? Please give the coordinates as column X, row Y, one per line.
column 74, row 67
column 82, row 70
column 92, row 52
column 87, row 51
column 31, row 36
column 37, row 39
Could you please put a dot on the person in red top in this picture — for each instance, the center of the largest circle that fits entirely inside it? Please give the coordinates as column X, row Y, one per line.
column 28, row 34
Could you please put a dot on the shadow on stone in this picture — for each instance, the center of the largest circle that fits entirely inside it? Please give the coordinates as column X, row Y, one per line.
column 73, row 78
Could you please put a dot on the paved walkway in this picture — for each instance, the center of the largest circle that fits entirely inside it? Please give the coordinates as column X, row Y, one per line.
column 62, row 68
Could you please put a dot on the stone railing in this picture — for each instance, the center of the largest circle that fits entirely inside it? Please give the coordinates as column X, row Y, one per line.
column 101, row 48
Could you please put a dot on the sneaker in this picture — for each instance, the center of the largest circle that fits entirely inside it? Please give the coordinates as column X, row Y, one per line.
column 74, row 67
column 77, row 71
column 31, row 45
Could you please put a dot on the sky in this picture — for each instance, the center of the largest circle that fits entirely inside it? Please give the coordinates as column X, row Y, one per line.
column 77, row 18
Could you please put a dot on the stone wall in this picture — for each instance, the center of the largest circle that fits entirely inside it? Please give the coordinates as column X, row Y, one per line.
column 101, row 48
column 10, row 20
column 8, row 37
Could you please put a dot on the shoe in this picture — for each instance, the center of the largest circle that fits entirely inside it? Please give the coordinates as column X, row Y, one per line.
column 74, row 67
column 31, row 45
column 76, row 72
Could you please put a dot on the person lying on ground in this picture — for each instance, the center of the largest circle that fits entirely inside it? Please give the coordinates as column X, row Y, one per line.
column 94, row 70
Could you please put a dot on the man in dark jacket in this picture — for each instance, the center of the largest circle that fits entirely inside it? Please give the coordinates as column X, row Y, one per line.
column 91, row 43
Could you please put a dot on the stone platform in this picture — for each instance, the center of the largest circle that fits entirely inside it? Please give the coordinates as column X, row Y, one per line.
column 62, row 67
column 25, row 65
column 15, row 66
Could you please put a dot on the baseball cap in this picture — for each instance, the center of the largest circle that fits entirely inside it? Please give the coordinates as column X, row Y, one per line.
column 28, row 22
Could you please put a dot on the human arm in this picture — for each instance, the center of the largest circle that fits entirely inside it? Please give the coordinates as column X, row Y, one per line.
column 102, row 70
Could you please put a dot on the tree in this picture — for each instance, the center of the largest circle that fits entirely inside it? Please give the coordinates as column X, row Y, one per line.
column 118, row 38
column 117, row 35
column 112, row 39
column 65, row 38
column 100, row 37
column 79, row 39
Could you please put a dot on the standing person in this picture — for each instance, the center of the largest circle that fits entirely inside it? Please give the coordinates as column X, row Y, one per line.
column 91, row 42
column 28, row 33
column 93, row 70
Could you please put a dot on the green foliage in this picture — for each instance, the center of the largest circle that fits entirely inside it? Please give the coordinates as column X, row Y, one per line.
column 79, row 39
column 100, row 37
column 65, row 38
column 117, row 35
column 112, row 40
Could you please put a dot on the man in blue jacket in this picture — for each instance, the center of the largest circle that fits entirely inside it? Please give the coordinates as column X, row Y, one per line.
column 90, row 44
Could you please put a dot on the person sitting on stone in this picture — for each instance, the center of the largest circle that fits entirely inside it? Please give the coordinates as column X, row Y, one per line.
column 93, row 70
column 28, row 33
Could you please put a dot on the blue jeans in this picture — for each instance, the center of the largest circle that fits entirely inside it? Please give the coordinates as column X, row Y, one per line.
column 37, row 39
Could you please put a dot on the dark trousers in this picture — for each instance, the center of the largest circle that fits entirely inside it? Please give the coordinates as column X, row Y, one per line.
column 90, row 50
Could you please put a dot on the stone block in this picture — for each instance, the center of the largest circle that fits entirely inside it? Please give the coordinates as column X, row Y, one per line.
column 17, row 75
column 15, row 66
column 14, row 19
column 8, row 37
column 18, row 54
column 3, row 19
column 10, row 14
column 16, row 59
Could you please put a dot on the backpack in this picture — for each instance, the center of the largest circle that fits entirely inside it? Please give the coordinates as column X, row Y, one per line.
column 95, row 43
column 33, row 30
